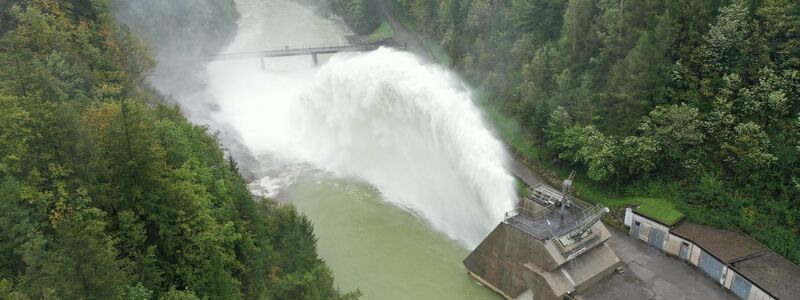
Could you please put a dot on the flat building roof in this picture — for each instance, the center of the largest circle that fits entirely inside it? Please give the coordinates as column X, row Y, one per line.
column 725, row 245
column 764, row 268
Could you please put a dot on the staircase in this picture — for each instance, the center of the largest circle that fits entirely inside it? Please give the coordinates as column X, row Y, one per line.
column 544, row 195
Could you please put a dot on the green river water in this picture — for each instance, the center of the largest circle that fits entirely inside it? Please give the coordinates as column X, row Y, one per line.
column 381, row 249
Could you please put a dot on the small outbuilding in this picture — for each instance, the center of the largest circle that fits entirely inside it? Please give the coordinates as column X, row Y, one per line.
column 732, row 259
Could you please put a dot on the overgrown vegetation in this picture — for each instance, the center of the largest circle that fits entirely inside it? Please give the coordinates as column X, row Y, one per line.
column 362, row 16
column 383, row 32
column 107, row 194
column 658, row 209
column 697, row 102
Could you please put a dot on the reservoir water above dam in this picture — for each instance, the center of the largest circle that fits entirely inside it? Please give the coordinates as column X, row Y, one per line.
column 386, row 154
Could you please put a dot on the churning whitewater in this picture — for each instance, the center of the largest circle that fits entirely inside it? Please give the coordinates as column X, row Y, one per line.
column 408, row 128
column 412, row 131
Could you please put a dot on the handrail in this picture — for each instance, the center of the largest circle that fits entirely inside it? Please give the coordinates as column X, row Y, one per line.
column 590, row 215
column 557, row 195
column 528, row 212
column 294, row 50
column 545, row 233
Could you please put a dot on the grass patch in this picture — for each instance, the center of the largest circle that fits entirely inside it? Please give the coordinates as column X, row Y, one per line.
column 659, row 209
column 383, row 32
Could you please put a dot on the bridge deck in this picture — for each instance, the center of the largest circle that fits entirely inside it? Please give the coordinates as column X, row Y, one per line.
column 294, row 52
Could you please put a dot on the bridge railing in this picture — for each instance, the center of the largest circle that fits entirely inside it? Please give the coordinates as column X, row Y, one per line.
column 291, row 51
column 300, row 47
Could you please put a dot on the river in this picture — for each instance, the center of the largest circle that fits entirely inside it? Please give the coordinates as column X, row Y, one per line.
column 386, row 154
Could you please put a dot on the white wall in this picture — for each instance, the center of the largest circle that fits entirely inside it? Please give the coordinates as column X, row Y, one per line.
column 695, row 257
column 674, row 245
column 628, row 221
column 758, row 294
column 646, row 226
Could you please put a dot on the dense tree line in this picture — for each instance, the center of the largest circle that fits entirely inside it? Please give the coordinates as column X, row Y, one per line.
column 361, row 16
column 107, row 194
column 693, row 100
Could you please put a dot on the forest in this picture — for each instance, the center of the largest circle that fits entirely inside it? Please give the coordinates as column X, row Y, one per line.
column 106, row 192
column 693, row 102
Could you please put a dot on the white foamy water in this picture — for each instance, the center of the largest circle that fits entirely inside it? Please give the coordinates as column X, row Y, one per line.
column 408, row 128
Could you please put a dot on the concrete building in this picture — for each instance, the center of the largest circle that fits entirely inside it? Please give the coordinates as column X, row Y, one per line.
column 551, row 246
column 735, row 261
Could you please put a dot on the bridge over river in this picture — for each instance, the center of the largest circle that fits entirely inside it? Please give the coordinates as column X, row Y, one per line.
column 313, row 51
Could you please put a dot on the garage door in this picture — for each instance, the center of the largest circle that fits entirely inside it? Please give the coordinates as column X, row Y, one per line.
column 710, row 266
column 740, row 286
column 656, row 238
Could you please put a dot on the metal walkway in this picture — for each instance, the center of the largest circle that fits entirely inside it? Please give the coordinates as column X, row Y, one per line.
column 288, row 51
column 547, row 226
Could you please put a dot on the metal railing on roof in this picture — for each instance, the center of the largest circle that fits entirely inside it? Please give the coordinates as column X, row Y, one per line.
column 538, row 231
column 549, row 198
column 546, row 195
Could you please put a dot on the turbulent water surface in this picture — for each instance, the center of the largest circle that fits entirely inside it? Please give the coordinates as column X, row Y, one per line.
column 387, row 155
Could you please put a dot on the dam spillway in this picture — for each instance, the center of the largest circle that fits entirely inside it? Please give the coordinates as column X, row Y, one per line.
column 541, row 251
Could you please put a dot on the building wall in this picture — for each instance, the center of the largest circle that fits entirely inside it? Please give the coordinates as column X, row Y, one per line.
column 527, row 295
column 757, row 294
column 694, row 259
column 646, row 225
column 674, row 245
column 727, row 277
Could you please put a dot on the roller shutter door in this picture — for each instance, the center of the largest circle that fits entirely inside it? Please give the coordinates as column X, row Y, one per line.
column 656, row 238
column 740, row 286
column 710, row 266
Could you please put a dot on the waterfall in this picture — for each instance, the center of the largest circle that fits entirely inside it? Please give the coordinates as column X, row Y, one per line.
column 384, row 117
column 406, row 127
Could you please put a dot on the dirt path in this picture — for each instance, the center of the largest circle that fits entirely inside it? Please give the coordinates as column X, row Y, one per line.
column 403, row 36
column 525, row 174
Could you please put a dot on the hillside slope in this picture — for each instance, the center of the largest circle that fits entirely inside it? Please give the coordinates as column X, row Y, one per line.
column 107, row 194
